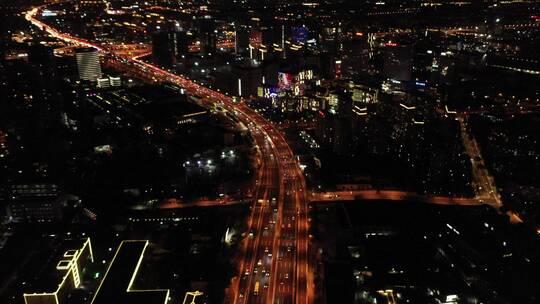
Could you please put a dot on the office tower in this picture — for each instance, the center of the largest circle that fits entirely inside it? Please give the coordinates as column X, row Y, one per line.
column 241, row 42
column 207, row 34
column 397, row 62
column 164, row 48
column 182, row 43
column 88, row 64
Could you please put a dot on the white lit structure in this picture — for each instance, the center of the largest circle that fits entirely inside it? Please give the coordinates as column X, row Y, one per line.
column 88, row 64
column 103, row 82
column 115, row 81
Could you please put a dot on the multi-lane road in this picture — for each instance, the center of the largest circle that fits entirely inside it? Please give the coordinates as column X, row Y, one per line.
column 484, row 184
column 273, row 260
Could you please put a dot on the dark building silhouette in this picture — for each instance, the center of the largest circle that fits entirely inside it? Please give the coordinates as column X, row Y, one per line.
column 164, row 48
column 207, row 34
column 182, row 43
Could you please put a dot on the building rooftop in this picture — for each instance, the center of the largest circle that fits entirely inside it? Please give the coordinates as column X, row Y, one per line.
column 116, row 286
column 60, row 270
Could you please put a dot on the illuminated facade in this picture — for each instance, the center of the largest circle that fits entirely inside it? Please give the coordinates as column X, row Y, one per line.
column 88, row 64
column 71, row 264
column 364, row 94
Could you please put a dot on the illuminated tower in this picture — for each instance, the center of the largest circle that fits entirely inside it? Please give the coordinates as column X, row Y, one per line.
column 88, row 64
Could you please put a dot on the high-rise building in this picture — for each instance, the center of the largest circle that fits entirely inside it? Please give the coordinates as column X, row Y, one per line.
column 182, row 43
column 88, row 64
column 241, row 42
column 164, row 48
column 397, row 61
column 240, row 79
column 46, row 75
column 267, row 36
column 207, row 34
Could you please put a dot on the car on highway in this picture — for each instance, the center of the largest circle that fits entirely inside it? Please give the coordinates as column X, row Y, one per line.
column 256, row 289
